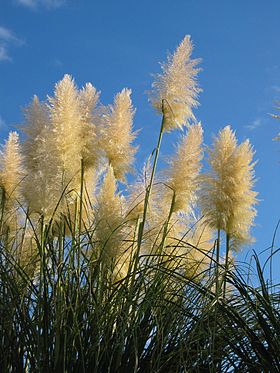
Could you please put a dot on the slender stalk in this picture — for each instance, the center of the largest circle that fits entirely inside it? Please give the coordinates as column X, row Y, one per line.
column 215, row 341
column 58, row 359
column 218, row 263
column 147, row 197
column 165, row 230
column 149, row 188
column 3, row 200
column 80, row 222
column 226, row 263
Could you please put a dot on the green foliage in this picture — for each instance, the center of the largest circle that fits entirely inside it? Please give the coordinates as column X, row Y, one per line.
column 69, row 315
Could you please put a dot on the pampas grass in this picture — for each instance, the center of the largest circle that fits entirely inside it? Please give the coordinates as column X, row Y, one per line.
column 109, row 277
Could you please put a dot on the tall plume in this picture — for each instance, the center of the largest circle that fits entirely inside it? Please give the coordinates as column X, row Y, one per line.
column 109, row 216
column 227, row 199
column 175, row 90
column 117, row 134
column 66, row 121
column 60, row 134
column 89, row 98
column 11, row 175
column 183, row 171
column 41, row 186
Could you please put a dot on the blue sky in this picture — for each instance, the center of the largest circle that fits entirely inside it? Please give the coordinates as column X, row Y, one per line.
column 116, row 44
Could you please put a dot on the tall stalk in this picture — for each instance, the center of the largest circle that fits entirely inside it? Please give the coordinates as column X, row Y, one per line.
column 165, row 229
column 149, row 188
column 218, row 263
column 226, row 263
column 80, row 223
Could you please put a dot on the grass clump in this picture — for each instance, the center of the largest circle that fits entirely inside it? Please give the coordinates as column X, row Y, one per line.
column 93, row 279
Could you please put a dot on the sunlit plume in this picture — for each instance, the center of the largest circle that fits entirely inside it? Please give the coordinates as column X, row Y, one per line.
column 109, row 216
column 60, row 134
column 175, row 90
column 11, row 175
column 117, row 134
column 227, row 199
column 66, row 121
column 41, row 186
column 89, row 98
column 183, row 171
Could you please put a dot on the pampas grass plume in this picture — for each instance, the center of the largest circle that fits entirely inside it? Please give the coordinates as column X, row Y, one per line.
column 175, row 90
column 11, row 167
column 227, row 198
column 65, row 115
column 117, row 134
column 41, row 186
column 182, row 175
column 11, row 175
column 109, row 215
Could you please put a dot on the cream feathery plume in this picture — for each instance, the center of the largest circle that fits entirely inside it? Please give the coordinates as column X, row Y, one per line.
column 59, row 135
column 109, row 216
column 182, row 174
column 41, row 186
column 65, row 116
column 71, row 115
column 89, row 98
column 227, row 200
column 117, row 135
column 11, row 175
column 175, row 91
column 217, row 184
column 11, row 167
column 37, row 117
column 244, row 200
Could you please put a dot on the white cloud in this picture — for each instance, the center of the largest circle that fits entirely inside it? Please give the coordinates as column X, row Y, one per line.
column 34, row 4
column 28, row 3
column 3, row 124
column 57, row 62
column 5, row 34
column 275, row 88
column 7, row 38
column 255, row 124
column 4, row 56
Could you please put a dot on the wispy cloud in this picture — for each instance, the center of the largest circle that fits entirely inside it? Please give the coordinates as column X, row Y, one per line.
column 7, row 39
column 3, row 124
column 4, row 56
column 35, row 4
column 276, row 88
column 254, row 124
column 57, row 62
